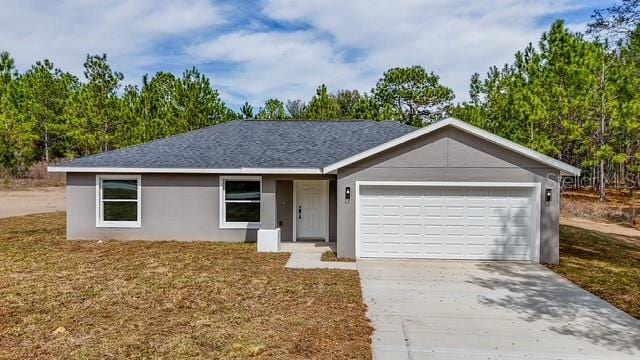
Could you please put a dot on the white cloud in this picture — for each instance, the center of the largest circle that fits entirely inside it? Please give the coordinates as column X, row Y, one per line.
column 344, row 44
column 454, row 38
column 66, row 31
column 286, row 65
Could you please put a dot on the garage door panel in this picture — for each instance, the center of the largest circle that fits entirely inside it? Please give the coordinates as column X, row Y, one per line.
column 412, row 212
column 412, row 229
column 445, row 223
column 429, row 210
column 432, row 229
column 475, row 226
column 370, row 211
column 451, row 230
column 520, row 212
column 391, row 229
column 431, row 240
column 475, row 230
column 477, row 211
column 455, row 223
column 500, row 230
column 515, row 231
column 455, row 211
column 511, row 241
column 494, row 211
column 369, row 231
column 391, row 248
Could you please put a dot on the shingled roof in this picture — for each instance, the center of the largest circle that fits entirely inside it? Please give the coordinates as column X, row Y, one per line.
column 253, row 144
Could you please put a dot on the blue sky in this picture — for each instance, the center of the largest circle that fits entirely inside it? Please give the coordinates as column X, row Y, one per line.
column 253, row 49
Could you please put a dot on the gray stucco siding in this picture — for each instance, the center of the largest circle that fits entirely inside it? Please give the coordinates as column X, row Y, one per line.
column 284, row 208
column 183, row 207
column 450, row 155
column 174, row 207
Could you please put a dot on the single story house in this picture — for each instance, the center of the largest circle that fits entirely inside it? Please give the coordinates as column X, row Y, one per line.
column 379, row 189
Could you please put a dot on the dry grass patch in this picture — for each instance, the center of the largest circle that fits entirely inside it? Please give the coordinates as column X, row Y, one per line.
column 11, row 184
column 35, row 176
column 76, row 299
column 620, row 208
column 330, row 255
column 606, row 265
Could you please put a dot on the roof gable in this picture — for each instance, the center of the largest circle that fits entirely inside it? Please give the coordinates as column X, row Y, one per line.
column 564, row 168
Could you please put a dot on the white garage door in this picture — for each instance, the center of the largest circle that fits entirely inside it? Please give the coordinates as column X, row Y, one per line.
column 445, row 222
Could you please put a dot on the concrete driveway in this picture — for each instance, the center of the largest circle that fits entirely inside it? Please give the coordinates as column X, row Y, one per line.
column 482, row 310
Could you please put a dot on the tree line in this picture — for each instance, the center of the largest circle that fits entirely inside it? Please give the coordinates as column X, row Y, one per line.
column 48, row 114
column 410, row 95
column 574, row 96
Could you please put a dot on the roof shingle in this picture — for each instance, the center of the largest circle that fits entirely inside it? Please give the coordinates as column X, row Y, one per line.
column 253, row 144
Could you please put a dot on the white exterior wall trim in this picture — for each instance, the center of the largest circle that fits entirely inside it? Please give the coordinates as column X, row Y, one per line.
column 536, row 194
column 253, row 171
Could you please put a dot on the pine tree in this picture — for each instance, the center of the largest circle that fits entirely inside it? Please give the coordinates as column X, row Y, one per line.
column 415, row 96
column 273, row 109
column 322, row 106
column 246, row 111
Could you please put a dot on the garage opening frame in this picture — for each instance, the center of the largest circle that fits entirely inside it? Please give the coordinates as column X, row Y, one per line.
column 536, row 189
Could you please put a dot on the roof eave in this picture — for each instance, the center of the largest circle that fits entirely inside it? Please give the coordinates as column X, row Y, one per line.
column 253, row 171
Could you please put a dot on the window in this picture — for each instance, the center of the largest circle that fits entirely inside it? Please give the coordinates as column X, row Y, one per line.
column 118, row 201
column 240, row 202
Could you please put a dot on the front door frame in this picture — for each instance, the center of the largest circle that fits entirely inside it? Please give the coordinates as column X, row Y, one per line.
column 325, row 188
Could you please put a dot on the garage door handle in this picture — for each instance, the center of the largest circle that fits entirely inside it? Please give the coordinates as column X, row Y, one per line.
column 299, row 212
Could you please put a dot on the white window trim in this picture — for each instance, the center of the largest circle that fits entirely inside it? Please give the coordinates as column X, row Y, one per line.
column 236, row 225
column 100, row 208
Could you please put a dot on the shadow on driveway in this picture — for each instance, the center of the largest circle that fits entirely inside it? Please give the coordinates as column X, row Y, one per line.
column 480, row 310
column 570, row 310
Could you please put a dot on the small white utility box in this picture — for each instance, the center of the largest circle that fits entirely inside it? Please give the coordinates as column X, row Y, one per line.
column 268, row 240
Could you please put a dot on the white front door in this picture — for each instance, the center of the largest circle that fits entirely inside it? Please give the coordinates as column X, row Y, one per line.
column 312, row 198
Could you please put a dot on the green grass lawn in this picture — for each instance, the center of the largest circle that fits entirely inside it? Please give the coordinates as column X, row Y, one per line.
column 140, row 299
column 605, row 265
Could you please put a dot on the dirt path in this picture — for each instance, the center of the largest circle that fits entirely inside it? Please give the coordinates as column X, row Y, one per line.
column 623, row 232
column 38, row 200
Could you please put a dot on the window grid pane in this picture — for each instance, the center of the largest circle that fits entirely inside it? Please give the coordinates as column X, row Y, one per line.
column 120, row 211
column 242, row 190
column 120, row 189
column 242, row 212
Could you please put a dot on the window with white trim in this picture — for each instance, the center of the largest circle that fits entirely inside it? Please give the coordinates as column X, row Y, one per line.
column 118, row 201
column 240, row 201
